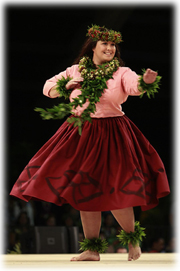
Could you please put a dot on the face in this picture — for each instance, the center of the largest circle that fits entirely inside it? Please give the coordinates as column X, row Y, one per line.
column 103, row 52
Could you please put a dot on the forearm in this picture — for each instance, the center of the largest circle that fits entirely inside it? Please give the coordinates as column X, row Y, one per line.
column 50, row 86
column 60, row 88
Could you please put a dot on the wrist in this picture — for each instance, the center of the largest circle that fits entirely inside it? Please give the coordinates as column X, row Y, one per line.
column 61, row 87
column 149, row 88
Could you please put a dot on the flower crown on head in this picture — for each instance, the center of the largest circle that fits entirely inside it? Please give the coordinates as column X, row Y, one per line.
column 102, row 33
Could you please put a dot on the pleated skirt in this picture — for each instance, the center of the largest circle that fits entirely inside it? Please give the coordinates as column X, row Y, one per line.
column 110, row 166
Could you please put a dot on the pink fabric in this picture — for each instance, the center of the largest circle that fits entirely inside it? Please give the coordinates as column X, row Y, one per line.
column 125, row 83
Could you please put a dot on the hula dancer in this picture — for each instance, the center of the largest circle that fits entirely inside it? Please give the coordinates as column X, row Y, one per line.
column 98, row 160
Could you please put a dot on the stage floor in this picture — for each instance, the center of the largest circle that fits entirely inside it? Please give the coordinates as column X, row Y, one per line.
column 150, row 260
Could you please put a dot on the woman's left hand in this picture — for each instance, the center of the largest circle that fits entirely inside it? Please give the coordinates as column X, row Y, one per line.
column 74, row 83
column 149, row 76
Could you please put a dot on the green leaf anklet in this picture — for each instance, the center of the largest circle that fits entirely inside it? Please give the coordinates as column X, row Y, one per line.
column 149, row 89
column 94, row 244
column 132, row 237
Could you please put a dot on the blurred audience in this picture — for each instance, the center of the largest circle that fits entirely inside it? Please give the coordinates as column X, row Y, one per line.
column 121, row 250
column 21, row 226
column 157, row 245
column 171, row 247
column 16, row 206
column 51, row 221
column 24, row 215
column 43, row 211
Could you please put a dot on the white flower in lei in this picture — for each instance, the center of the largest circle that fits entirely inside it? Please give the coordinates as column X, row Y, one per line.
column 92, row 87
column 89, row 72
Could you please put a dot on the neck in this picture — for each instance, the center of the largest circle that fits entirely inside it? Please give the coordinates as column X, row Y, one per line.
column 96, row 61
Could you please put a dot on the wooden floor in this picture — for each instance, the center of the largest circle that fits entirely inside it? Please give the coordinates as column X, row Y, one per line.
column 154, row 261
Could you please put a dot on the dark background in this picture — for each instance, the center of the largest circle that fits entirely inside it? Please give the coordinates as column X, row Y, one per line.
column 42, row 41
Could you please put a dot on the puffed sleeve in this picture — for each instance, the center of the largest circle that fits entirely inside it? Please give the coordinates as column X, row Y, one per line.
column 50, row 83
column 130, row 82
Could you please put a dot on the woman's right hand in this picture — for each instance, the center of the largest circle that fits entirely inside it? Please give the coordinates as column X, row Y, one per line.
column 74, row 83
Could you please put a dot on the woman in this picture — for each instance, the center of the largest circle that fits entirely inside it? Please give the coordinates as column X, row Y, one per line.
column 106, row 165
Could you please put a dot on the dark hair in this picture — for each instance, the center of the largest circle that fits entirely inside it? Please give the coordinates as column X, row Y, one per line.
column 87, row 47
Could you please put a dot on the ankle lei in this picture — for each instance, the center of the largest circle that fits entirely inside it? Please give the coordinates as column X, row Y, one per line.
column 132, row 237
column 100, row 245
column 95, row 244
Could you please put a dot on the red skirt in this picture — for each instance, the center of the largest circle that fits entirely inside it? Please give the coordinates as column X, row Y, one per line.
column 110, row 166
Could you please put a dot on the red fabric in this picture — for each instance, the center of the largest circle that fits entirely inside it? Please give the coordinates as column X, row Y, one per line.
column 110, row 166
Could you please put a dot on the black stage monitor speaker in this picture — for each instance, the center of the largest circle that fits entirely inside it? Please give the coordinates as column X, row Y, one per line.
column 51, row 240
column 73, row 239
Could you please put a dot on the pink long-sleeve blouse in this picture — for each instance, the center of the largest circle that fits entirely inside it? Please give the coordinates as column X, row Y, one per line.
column 125, row 83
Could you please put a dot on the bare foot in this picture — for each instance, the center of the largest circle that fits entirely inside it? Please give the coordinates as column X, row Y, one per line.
column 134, row 252
column 87, row 255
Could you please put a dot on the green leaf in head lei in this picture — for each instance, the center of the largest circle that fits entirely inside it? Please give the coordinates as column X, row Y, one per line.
column 95, row 32
column 93, row 85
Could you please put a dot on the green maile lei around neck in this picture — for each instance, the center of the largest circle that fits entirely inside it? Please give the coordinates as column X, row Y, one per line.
column 92, row 88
